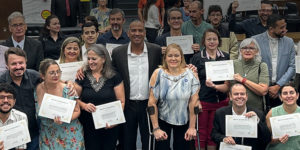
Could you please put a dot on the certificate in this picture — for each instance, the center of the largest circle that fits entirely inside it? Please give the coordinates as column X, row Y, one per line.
column 185, row 42
column 110, row 113
column 15, row 134
column 245, row 5
column 219, row 70
column 297, row 63
column 53, row 106
column 110, row 47
column 224, row 146
column 285, row 124
column 241, row 126
column 69, row 70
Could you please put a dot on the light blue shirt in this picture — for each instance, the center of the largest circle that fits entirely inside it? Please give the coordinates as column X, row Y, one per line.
column 173, row 94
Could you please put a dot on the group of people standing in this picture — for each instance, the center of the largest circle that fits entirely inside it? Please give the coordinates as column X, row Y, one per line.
column 151, row 77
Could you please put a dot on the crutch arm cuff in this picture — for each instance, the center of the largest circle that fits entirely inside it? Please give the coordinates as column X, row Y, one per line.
column 151, row 110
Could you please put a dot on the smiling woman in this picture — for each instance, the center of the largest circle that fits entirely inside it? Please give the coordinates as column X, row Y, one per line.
column 176, row 89
column 51, row 37
column 54, row 134
column 211, row 99
column 100, row 85
column 70, row 50
column 288, row 96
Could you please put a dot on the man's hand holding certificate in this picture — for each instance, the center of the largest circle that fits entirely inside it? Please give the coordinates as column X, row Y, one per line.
column 53, row 106
column 286, row 124
column 219, row 70
column 185, row 42
column 241, row 126
column 15, row 134
column 110, row 113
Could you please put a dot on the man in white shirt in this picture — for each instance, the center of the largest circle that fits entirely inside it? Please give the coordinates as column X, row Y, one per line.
column 278, row 52
column 136, row 62
column 8, row 115
column 239, row 97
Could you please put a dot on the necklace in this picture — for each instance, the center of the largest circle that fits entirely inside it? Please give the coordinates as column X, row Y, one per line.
column 174, row 78
column 245, row 73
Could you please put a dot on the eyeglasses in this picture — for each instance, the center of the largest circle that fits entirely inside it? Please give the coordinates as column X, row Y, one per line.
column 9, row 97
column 248, row 48
column 54, row 73
column 17, row 25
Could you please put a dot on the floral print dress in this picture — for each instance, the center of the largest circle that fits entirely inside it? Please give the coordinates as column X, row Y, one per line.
column 60, row 137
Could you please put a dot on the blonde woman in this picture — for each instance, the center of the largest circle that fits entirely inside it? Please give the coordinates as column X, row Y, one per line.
column 173, row 96
column 70, row 51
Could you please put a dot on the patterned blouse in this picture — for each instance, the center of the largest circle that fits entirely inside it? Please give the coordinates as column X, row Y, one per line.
column 102, row 17
column 173, row 94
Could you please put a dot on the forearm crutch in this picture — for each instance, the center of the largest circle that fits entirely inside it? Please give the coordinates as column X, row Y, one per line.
column 150, row 110
column 197, row 110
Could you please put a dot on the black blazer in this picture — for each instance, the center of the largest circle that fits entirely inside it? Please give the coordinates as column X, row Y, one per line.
column 120, row 62
column 33, row 49
column 218, row 131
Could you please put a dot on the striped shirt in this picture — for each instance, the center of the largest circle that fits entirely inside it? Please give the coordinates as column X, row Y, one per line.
column 15, row 116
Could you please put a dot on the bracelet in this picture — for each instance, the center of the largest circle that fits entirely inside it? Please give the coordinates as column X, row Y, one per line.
column 244, row 80
column 155, row 129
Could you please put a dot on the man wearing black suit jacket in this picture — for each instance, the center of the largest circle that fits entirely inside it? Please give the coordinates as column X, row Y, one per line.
column 239, row 97
column 33, row 48
column 136, row 62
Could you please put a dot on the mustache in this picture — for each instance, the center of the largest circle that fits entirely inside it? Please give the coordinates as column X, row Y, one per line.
column 5, row 103
column 20, row 69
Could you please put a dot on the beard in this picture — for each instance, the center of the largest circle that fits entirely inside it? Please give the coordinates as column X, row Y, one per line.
column 5, row 112
column 115, row 27
column 21, row 69
column 280, row 35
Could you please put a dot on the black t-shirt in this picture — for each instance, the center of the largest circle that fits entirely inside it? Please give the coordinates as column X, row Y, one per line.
column 88, row 95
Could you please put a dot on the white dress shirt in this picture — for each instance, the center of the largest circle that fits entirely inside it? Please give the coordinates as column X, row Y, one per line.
column 138, row 67
column 273, row 43
column 21, row 43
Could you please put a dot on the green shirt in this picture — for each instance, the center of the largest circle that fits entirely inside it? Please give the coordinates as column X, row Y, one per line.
column 293, row 142
column 250, row 71
column 188, row 28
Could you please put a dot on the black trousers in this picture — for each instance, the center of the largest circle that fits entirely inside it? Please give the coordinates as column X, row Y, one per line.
column 135, row 115
column 179, row 142
column 104, row 139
